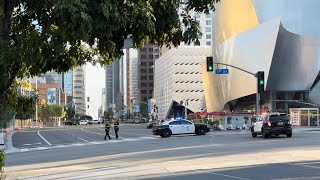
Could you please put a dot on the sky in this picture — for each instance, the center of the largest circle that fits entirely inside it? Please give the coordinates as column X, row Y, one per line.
column 95, row 81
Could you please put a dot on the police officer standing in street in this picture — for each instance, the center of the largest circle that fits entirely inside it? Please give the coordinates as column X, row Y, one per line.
column 116, row 128
column 107, row 129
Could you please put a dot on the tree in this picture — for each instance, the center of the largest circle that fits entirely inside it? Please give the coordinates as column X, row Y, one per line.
column 108, row 114
column 52, row 111
column 144, row 110
column 59, row 35
column 87, row 117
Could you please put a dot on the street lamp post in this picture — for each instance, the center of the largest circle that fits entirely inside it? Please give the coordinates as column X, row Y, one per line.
column 37, row 101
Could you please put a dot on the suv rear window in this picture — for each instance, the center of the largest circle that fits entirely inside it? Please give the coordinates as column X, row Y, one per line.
column 276, row 118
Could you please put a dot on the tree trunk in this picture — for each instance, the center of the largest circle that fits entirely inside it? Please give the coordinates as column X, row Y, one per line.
column 6, row 10
column 6, row 7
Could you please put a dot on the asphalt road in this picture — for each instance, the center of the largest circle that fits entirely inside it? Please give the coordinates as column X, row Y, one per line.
column 138, row 155
column 31, row 138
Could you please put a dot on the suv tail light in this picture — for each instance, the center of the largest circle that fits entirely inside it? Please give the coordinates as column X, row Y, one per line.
column 269, row 123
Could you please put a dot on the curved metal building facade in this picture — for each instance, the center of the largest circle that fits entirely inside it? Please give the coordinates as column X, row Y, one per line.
column 279, row 37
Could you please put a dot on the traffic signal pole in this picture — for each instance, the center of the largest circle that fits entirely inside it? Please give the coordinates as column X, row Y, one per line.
column 259, row 76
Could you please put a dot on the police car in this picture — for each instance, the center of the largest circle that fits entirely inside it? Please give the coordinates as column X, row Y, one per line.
column 272, row 124
column 174, row 127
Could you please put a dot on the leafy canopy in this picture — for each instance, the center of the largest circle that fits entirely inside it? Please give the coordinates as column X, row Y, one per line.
column 39, row 36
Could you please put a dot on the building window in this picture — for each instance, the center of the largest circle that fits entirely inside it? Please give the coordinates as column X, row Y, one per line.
column 208, row 43
column 208, row 15
column 156, row 56
column 143, row 50
column 143, row 56
column 208, row 29
column 88, row 106
column 143, row 64
column 150, row 91
column 150, row 56
column 208, row 22
column 208, row 36
column 150, row 70
column 143, row 84
column 150, row 84
column 143, row 91
column 150, row 63
column 150, row 49
column 150, row 77
column 143, row 78
column 143, row 71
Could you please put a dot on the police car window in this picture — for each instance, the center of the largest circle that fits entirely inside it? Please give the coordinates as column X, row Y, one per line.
column 185, row 122
column 174, row 123
column 275, row 118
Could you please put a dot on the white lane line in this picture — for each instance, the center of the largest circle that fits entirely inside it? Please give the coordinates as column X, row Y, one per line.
column 32, row 144
column 91, row 132
column 44, row 139
column 96, row 133
column 307, row 163
column 83, row 139
column 225, row 175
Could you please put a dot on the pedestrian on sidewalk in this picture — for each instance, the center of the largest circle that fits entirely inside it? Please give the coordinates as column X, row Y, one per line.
column 107, row 129
column 116, row 128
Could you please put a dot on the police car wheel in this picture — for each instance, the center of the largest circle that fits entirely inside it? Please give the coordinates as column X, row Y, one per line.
column 202, row 131
column 166, row 133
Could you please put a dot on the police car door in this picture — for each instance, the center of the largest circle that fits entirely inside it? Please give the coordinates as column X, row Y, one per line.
column 258, row 124
column 175, row 127
column 187, row 127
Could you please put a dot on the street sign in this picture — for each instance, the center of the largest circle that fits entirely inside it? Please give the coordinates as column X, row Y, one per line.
column 222, row 71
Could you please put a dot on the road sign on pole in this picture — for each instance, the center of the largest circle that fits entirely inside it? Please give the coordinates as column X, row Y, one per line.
column 222, row 71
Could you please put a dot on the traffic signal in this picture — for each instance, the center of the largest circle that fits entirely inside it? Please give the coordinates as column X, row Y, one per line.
column 260, row 81
column 209, row 64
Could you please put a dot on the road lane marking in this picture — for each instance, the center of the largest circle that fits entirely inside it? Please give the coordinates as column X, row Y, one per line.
column 44, row 139
column 96, row 133
column 31, row 144
column 91, row 132
column 225, row 175
column 83, row 139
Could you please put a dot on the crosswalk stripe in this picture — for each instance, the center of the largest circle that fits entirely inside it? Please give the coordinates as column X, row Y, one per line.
column 120, row 140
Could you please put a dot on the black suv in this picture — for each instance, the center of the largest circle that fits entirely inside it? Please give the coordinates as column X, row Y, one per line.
column 272, row 124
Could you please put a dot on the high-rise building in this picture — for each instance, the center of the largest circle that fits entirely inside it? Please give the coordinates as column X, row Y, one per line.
column 79, row 92
column 115, row 82
column 206, row 27
column 134, row 79
column 147, row 57
column 103, row 106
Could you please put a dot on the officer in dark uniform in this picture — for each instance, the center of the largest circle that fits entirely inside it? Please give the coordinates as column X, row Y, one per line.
column 107, row 129
column 116, row 128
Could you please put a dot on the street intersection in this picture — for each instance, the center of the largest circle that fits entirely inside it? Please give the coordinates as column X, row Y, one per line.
column 81, row 153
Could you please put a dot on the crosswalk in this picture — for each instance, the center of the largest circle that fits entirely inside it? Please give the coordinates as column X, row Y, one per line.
column 120, row 140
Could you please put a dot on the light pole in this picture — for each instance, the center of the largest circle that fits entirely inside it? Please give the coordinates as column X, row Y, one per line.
column 37, row 101
column 185, row 109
